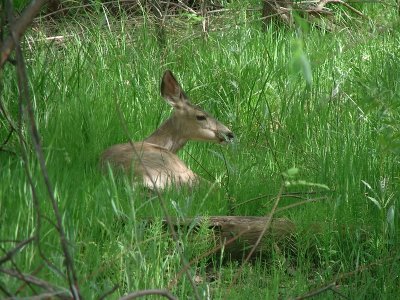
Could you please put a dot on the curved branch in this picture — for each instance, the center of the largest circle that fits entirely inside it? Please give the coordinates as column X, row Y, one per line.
column 16, row 249
column 18, row 28
column 143, row 293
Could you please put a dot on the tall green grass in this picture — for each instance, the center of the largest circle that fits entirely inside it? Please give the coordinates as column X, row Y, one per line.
column 333, row 129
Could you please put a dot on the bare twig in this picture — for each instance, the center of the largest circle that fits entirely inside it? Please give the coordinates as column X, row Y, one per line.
column 199, row 164
column 5, row 292
column 7, row 138
column 62, row 293
column 163, row 293
column 278, row 210
column 267, row 225
column 16, row 32
column 298, row 195
column 206, row 254
column 24, row 155
column 46, row 296
column 155, row 5
column 108, row 293
column 17, row 270
column 13, row 251
column 18, row 28
column 24, row 283
column 331, row 285
column 321, row 5
column 11, row 123
column 317, row 291
column 335, row 290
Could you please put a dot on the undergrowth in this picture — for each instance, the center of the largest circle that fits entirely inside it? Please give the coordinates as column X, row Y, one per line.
column 325, row 103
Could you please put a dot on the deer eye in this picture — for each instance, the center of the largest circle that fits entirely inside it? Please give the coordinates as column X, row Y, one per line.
column 201, row 118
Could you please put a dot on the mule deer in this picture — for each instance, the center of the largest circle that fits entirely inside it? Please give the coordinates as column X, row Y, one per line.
column 153, row 161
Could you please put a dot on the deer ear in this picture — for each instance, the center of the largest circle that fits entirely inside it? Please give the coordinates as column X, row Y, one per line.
column 171, row 90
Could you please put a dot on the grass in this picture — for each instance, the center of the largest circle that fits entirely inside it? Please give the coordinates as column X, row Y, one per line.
column 336, row 130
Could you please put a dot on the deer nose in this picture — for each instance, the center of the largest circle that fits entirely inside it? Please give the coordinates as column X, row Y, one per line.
column 225, row 136
column 230, row 135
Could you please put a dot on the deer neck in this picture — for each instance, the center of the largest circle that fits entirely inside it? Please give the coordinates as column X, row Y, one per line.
column 168, row 136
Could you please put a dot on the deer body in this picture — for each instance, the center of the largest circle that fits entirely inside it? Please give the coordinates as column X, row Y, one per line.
column 154, row 161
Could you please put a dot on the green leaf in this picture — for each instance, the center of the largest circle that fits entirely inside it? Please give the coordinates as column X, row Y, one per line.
column 367, row 185
column 390, row 216
column 292, row 172
column 375, row 202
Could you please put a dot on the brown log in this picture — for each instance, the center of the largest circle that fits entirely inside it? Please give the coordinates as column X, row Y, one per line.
column 236, row 235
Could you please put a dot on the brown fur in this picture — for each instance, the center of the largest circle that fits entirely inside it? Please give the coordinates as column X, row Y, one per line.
column 154, row 161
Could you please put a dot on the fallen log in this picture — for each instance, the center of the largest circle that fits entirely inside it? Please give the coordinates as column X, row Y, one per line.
column 236, row 235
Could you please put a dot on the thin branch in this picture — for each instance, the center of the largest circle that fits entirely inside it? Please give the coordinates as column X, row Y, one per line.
column 163, row 293
column 321, row 5
column 206, row 254
column 7, row 138
column 10, row 122
column 335, row 290
column 18, row 28
column 45, row 296
column 317, row 291
column 24, row 283
column 135, row 2
column 266, row 227
column 62, row 293
column 297, row 195
column 17, row 270
column 253, row 249
column 278, row 210
column 30, row 119
column 3, row 289
column 108, row 293
column 16, row 249
column 331, row 285
column 199, row 164
column 25, row 160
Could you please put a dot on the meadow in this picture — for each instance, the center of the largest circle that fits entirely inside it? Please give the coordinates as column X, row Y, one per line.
column 314, row 112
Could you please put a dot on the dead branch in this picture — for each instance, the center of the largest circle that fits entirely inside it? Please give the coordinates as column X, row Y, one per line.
column 61, row 293
column 321, row 6
column 317, row 291
column 24, row 155
column 261, row 235
column 24, row 284
column 11, row 123
column 278, row 210
column 16, row 249
column 5, row 292
column 45, row 296
column 163, row 293
column 17, row 270
column 23, row 88
column 7, row 138
column 282, row 9
column 108, row 293
column 232, row 233
column 331, row 285
column 298, row 195
column 18, row 28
